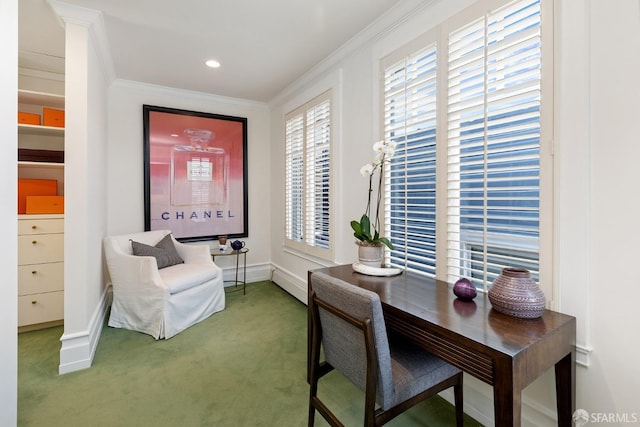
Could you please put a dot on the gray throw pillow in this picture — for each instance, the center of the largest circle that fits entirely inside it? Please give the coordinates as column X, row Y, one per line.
column 164, row 251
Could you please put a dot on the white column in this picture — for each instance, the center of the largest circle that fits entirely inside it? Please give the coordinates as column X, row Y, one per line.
column 88, row 74
column 8, row 215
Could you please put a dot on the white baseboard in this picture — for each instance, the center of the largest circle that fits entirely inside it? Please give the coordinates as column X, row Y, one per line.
column 478, row 404
column 255, row 273
column 78, row 348
column 295, row 285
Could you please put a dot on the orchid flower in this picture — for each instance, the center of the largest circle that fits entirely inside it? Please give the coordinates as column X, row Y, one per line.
column 383, row 152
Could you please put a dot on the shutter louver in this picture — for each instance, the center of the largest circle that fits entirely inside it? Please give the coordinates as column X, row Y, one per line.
column 410, row 121
column 294, row 181
column 317, row 194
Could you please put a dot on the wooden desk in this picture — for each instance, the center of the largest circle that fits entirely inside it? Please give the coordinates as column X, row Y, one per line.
column 503, row 351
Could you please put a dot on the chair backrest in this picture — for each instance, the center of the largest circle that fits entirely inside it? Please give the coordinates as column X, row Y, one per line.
column 121, row 243
column 344, row 344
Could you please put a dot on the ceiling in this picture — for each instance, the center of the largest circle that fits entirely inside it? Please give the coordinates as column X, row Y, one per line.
column 263, row 45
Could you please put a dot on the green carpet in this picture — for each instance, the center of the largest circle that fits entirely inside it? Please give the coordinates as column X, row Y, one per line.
column 244, row 366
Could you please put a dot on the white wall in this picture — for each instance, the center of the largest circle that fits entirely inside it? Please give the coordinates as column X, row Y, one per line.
column 597, row 123
column 125, row 193
column 8, row 216
column 357, row 63
column 612, row 141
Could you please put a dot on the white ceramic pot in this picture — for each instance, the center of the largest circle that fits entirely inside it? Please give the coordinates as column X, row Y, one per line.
column 370, row 255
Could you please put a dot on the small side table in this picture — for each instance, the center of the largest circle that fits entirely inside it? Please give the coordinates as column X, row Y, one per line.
column 229, row 252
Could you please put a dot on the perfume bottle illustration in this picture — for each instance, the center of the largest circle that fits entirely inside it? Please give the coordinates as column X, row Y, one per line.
column 199, row 171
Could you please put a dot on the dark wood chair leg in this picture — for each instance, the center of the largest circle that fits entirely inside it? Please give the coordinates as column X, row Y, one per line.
column 457, row 393
column 312, row 413
column 313, row 360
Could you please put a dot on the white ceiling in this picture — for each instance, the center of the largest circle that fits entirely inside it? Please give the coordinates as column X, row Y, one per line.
column 263, row 45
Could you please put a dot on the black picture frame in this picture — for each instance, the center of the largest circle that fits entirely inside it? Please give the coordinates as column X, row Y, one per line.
column 195, row 173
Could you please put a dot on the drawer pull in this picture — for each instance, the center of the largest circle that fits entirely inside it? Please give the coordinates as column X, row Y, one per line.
column 34, row 242
column 34, row 302
column 33, row 227
column 34, row 272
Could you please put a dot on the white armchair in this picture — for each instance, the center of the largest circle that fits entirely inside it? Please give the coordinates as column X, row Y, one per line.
column 161, row 302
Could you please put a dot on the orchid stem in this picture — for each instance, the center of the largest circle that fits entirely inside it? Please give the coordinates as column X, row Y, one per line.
column 377, row 223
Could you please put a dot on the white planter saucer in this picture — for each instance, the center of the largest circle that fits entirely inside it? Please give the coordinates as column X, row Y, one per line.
column 374, row 271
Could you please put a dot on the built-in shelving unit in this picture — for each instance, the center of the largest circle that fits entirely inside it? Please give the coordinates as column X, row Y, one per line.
column 41, row 138
column 41, row 237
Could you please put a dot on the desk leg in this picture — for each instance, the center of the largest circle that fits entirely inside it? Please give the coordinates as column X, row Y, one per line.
column 566, row 389
column 507, row 403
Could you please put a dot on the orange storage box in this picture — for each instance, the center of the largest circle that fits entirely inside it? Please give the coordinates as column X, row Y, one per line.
column 34, row 187
column 52, row 117
column 45, row 204
column 28, row 118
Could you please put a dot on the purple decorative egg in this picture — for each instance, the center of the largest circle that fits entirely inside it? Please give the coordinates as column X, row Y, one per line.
column 464, row 289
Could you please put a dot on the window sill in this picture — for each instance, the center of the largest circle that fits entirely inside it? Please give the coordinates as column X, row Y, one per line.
column 322, row 261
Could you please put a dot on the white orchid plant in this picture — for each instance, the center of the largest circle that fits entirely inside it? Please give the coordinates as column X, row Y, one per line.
column 384, row 151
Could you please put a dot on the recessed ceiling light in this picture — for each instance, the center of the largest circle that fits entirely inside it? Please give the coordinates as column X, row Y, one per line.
column 212, row 63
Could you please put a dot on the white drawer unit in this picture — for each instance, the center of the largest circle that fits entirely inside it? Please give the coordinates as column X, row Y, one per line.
column 40, row 271
column 40, row 248
column 40, row 309
column 40, row 278
column 28, row 225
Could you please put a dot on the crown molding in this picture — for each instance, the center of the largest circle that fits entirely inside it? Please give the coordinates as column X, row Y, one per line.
column 386, row 23
column 133, row 85
column 68, row 14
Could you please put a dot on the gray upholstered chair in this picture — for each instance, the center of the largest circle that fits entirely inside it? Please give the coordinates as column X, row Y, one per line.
column 348, row 323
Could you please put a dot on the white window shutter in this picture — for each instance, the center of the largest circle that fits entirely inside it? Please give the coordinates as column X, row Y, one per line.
column 410, row 121
column 294, row 178
column 487, row 157
column 308, row 137
column 494, row 144
column 317, row 173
